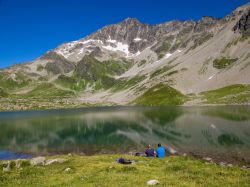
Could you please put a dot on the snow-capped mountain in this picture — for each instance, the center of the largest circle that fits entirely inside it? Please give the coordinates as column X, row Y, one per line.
column 123, row 62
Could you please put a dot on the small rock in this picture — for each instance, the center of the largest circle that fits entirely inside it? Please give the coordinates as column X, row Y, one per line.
column 172, row 151
column 152, row 182
column 67, row 169
column 56, row 160
column 244, row 167
column 184, row 154
column 222, row 163
column 70, row 154
column 38, row 161
column 130, row 153
column 230, row 165
column 207, row 159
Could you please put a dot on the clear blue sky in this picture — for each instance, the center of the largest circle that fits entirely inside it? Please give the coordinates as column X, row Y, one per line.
column 28, row 28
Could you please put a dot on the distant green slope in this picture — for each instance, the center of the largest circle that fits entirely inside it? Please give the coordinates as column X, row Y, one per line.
column 47, row 90
column 160, row 95
column 233, row 94
column 3, row 93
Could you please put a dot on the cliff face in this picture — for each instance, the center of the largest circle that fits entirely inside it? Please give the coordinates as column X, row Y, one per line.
column 120, row 62
column 243, row 25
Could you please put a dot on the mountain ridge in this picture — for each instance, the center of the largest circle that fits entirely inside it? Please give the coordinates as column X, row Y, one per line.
column 120, row 62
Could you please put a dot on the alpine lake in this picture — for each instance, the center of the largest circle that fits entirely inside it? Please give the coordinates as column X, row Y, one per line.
column 220, row 132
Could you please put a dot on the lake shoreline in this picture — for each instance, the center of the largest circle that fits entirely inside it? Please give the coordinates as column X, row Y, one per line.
column 94, row 105
column 210, row 158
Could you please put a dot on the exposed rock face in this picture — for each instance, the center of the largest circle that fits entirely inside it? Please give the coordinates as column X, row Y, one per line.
column 130, row 31
column 131, row 37
column 206, row 23
column 243, row 24
column 57, row 64
column 139, row 36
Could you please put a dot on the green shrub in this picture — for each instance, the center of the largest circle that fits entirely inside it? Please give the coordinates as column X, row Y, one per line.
column 223, row 62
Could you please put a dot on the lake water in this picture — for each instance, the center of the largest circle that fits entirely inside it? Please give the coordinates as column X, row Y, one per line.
column 221, row 132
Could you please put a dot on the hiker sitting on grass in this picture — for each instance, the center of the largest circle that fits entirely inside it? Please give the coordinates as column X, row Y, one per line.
column 150, row 152
column 160, row 151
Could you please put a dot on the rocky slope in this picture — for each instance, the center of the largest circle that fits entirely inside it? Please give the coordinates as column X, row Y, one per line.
column 122, row 63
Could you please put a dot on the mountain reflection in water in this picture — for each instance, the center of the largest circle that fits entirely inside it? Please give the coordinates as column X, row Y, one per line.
column 200, row 130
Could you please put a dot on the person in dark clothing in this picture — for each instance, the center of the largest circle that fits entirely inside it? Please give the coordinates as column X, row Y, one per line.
column 150, row 152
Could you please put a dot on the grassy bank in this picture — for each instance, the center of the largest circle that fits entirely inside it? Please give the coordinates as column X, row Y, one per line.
column 160, row 95
column 233, row 94
column 102, row 170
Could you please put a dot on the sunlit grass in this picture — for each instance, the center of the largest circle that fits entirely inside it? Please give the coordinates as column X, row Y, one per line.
column 102, row 170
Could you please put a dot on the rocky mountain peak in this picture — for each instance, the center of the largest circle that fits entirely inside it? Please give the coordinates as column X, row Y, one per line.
column 131, row 21
column 130, row 37
column 243, row 8
column 209, row 19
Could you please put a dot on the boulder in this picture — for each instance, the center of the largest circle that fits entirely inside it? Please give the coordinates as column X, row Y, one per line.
column 38, row 161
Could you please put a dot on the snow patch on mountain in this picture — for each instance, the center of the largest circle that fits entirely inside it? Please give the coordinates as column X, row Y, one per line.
column 137, row 39
column 168, row 55
column 118, row 46
column 68, row 49
column 111, row 41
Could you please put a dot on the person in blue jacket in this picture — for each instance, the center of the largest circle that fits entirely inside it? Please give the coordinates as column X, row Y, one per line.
column 160, row 151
